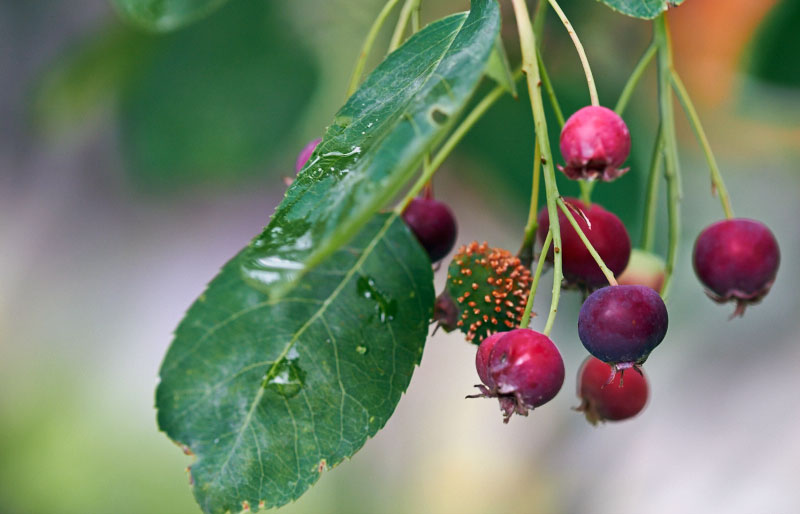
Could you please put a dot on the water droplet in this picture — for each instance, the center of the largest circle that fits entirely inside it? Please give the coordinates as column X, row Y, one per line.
column 387, row 307
column 361, row 350
column 216, row 441
column 286, row 379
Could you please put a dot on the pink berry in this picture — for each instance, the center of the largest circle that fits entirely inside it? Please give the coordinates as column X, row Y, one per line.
column 616, row 400
column 607, row 234
column 434, row 225
column 305, row 154
column 524, row 370
column 595, row 142
column 644, row 269
column 737, row 261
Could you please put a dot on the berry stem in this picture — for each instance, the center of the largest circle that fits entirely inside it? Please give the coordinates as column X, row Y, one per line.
column 366, row 48
column 402, row 22
column 671, row 162
column 530, row 66
column 586, row 191
column 651, row 203
column 526, row 316
column 551, row 93
column 717, row 183
column 596, row 256
column 587, row 70
column 635, row 77
column 455, row 137
column 526, row 251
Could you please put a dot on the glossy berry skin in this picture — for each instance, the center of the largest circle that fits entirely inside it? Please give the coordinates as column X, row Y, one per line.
column 305, row 154
column 601, row 400
column 737, row 261
column 434, row 225
column 525, row 370
column 595, row 142
column 621, row 325
column 644, row 269
column 607, row 234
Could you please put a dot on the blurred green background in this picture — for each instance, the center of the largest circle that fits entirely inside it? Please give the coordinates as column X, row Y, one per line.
column 132, row 165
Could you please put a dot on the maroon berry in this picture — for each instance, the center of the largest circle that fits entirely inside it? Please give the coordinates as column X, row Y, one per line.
column 305, row 154
column 737, row 260
column 525, row 370
column 434, row 225
column 621, row 325
column 595, row 142
column 644, row 269
column 607, row 234
column 604, row 400
column 445, row 312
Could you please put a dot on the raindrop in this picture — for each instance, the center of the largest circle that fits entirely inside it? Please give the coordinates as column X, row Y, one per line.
column 286, row 378
column 387, row 307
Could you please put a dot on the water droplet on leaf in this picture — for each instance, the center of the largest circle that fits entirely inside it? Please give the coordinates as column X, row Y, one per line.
column 387, row 307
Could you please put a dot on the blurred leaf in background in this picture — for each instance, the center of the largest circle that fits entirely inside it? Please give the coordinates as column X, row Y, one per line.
column 164, row 15
column 774, row 56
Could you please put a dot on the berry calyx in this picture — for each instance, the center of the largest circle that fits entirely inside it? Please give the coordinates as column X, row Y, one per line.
column 605, row 231
column 445, row 312
column 621, row 325
column 644, row 269
column 737, row 261
column 525, row 371
column 616, row 400
column 595, row 142
column 434, row 225
column 305, row 154
column 491, row 288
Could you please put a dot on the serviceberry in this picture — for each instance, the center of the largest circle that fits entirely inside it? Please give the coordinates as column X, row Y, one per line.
column 434, row 225
column 614, row 400
column 605, row 231
column 621, row 325
column 644, row 269
column 305, row 154
column 737, row 260
column 595, row 142
column 445, row 312
column 524, row 370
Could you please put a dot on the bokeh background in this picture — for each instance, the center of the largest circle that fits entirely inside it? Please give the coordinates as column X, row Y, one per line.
column 133, row 165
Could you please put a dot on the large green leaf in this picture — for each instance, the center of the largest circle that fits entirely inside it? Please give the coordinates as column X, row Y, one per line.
column 376, row 142
column 269, row 393
column 775, row 53
column 647, row 9
column 164, row 15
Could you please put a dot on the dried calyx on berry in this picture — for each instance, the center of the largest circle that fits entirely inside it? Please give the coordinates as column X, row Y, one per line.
column 595, row 142
column 737, row 261
column 621, row 325
column 490, row 286
column 523, row 369
column 610, row 399
column 433, row 224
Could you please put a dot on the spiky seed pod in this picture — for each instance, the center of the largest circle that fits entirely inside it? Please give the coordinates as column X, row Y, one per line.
column 490, row 286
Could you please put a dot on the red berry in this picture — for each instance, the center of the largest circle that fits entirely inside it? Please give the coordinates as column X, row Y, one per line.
column 644, row 269
column 305, row 154
column 621, row 325
column 595, row 142
column 525, row 370
column 434, row 225
column 737, row 260
column 607, row 234
column 616, row 400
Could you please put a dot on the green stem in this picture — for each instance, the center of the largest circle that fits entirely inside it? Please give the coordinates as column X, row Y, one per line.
column 586, row 191
column 587, row 70
column 415, row 18
column 526, row 251
column 551, row 93
column 458, row 134
column 596, row 256
column 539, row 17
column 635, row 77
column 671, row 163
column 369, row 41
column 651, row 203
column 402, row 22
column 526, row 316
column 716, row 177
column 527, row 41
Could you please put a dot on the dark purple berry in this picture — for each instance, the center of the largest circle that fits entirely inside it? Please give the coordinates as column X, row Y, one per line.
column 305, row 154
column 524, row 370
column 434, row 225
column 595, row 142
column 607, row 234
column 621, row 325
column 737, row 260
column 614, row 400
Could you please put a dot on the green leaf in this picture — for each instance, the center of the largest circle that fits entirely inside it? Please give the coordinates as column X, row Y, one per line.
column 499, row 69
column 269, row 393
column 165, row 15
column 775, row 53
column 375, row 144
column 647, row 9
